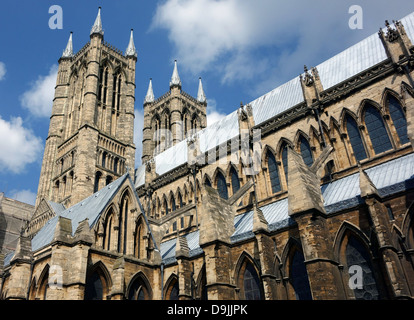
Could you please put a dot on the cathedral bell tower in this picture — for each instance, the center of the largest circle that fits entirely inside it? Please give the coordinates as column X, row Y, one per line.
column 90, row 139
column 172, row 117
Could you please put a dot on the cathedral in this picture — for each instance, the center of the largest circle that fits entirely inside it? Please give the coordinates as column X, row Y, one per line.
column 306, row 193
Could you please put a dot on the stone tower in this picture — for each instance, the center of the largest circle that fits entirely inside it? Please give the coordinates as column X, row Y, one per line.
column 90, row 139
column 172, row 117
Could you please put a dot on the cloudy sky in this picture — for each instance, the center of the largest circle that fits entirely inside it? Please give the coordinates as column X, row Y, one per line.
column 241, row 49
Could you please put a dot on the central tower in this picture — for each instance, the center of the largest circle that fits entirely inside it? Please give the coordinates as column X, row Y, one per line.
column 172, row 117
column 90, row 139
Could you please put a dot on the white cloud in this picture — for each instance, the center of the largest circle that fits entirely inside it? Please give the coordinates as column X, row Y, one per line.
column 2, row 70
column 26, row 196
column 213, row 115
column 39, row 98
column 18, row 147
column 264, row 38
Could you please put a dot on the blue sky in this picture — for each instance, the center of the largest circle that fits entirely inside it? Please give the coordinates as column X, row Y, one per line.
column 241, row 49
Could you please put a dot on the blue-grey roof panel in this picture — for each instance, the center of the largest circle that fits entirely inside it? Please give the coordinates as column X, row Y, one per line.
column 89, row 208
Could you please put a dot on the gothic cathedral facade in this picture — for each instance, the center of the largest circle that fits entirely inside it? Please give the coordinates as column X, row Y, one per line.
column 305, row 193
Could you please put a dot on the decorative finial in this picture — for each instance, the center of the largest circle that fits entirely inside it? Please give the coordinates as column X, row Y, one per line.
column 201, row 97
column 68, row 52
column 97, row 26
column 131, row 51
column 149, row 98
column 175, row 78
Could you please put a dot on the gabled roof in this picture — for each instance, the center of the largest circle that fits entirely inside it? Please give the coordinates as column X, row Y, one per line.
column 89, row 208
column 357, row 58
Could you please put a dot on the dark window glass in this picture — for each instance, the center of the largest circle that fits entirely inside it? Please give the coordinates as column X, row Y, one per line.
column 174, row 292
column 376, row 130
column 235, row 183
column 299, row 277
column 357, row 254
column 222, row 186
column 285, row 161
column 94, row 287
column 273, row 172
column 305, row 151
column 251, row 284
column 173, row 207
column 398, row 118
column 355, row 139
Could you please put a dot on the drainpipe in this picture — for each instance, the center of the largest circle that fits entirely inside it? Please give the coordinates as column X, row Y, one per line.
column 162, row 280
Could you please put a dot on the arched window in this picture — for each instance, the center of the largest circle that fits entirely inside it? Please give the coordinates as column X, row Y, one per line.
column 138, row 290
column 357, row 255
column 166, row 206
column 116, row 90
column 398, row 118
column 273, row 172
column 108, row 180
column 104, row 159
column 305, row 151
column 98, row 176
column 123, row 224
column 376, row 130
column 180, row 199
column 299, row 277
column 251, row 283
column 94, row 288
column 207, row 181
column 173, row 206
column 172, row 290
column 285, row 161
column 108, row 231
column 355, row 139
column 235, row 183
column 222, row 186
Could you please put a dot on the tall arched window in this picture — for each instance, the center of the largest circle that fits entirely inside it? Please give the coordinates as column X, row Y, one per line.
column 166, row 206
column 273, row 172
column 299, row 277
column 235, row 183
column 222, row 186
column 305, row 151
column 357, row 255
column 398, row 118
column 173, row 206
column 355, row 139
column 138, row 290
column 95, row 286
column 108, row 231
column 123, row 224
column 285, row 161
column 376, row 130
column 98, row 176
column 251, row 283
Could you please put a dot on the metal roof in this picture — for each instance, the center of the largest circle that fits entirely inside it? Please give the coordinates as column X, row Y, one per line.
column 357, row 58
column 168, row 247
column 89, row 208
column 389, row 177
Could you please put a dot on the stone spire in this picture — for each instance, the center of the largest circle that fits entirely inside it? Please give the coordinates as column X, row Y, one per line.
column 68, row 52
column 131, row 51
column 201, row 97
column 97, row 26
column 149, row 98
column 175, row 78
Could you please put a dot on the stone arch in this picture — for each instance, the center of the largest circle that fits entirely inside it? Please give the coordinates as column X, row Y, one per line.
column 171, row 288
column 247, row 267
column 407, row 226
column 352, row 249
column 98, row 282
column 139, row 288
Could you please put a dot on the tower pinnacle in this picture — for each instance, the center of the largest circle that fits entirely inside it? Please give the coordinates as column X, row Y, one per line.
column 131, row 51
column 150, row 94
column 201, row 97
column 97, row 26
column 175, row 78
column 68, row 52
